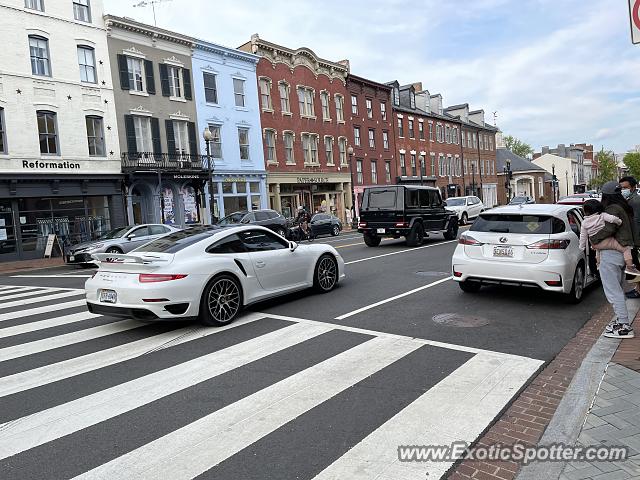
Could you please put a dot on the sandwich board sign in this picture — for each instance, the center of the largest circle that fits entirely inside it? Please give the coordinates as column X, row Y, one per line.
column 634, row 18
column 52, row 240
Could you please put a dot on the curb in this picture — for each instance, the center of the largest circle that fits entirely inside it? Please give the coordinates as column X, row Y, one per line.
column 530, row 414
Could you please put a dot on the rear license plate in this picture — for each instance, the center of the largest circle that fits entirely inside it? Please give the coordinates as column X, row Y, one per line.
column 108, row 296
column 380, row 230
column 71, row 258
column 503, row 252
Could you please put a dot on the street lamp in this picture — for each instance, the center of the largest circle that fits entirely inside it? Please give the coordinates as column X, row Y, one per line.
column 353, row 188
column 553, row 181
column 208, row 137
column 421, row 160
column 473, row 177
column 507, row 178
column 566, row 176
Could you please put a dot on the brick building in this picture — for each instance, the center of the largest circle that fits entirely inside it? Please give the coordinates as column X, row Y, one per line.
column 305, row 128
column 374, row 153
column 478, row 150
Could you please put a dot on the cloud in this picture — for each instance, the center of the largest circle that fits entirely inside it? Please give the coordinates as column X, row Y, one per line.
column 556, row 72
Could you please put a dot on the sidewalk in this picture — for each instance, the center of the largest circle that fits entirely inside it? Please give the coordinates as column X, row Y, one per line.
column 26, row 265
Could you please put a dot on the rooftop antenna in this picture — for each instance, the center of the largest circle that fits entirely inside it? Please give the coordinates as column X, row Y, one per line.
column 495, row 118
column 146, row 3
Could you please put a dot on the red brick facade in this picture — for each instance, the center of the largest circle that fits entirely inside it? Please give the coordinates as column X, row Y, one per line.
column 305, row 142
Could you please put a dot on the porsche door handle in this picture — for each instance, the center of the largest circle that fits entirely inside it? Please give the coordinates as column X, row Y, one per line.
column 260, row 264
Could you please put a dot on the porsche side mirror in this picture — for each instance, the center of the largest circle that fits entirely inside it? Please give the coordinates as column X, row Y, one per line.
column 293, row 246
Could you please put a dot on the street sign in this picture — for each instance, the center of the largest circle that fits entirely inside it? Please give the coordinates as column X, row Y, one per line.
column 634, row 19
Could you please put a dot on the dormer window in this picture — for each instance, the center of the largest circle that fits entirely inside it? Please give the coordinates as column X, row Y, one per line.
column 413, row 99
column 396, row 96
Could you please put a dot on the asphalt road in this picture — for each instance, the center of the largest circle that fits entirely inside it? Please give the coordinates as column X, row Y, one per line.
column 306, row 386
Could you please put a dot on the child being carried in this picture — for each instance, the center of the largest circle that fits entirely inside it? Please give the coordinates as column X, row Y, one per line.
column 595, row 220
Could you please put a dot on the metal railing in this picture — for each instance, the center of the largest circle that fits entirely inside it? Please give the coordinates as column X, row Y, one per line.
column 170, row 162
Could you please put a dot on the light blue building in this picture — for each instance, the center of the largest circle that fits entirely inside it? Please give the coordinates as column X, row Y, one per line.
column 226, row 95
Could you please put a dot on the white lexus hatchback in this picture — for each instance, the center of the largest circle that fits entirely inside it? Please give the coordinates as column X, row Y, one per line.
column 208, row 272
column 528, row 245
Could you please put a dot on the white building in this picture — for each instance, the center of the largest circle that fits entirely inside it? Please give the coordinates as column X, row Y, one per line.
column 566, row 170
column 59, row 155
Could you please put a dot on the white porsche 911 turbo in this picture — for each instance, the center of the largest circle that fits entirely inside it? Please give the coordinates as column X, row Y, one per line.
column 209, row 273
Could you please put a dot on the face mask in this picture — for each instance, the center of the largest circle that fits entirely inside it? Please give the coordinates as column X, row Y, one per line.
column 626, row 193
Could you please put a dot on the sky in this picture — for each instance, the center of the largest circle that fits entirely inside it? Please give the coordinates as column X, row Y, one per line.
column 553, row 71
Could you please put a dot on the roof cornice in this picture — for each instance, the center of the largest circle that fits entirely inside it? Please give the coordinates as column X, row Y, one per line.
column 111, row 22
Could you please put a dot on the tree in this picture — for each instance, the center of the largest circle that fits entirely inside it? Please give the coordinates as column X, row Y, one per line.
column 517, row 146
column 607, row 168
column 632, row 161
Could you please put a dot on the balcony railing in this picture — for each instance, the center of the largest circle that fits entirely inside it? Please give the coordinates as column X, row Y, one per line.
column 169, row 162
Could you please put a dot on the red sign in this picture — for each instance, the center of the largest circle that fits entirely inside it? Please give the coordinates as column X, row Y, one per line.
column 634, row 14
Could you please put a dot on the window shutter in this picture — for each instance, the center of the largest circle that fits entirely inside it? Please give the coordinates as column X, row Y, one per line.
column 164, row 79
column 186, row 76
column 130, row 129
column 155, row 136
column 151, row 82
column 193, row 139
column 171, row 139
column 124, row 72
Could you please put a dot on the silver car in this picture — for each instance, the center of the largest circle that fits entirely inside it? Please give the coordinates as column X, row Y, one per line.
column 118, row 240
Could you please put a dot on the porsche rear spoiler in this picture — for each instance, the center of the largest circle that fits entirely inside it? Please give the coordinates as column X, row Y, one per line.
column 120, row 258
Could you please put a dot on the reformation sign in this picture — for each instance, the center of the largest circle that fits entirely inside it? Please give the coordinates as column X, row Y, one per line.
column 313, row 179
column 26, row 164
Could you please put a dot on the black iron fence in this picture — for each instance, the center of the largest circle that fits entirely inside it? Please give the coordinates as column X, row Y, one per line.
column 173, row 162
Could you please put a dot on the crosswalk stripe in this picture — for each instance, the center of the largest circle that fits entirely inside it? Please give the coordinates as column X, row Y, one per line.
column 37, row 300
column 66, row 339
column 25, row 380
column 42, row 324
column 458, row 408
column 199, row 446
column 44, row 291
column 56, row 422
column 45, row 309
column 15, row 289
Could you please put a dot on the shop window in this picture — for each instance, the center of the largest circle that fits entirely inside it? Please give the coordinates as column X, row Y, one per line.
column 227, row 187
column 241, row 187
column 254, row 187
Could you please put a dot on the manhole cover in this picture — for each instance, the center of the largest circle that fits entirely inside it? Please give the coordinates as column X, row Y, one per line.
column 457, row 320
column 433, row 274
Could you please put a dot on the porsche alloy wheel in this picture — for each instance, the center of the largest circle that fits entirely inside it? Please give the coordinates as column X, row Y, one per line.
column 222, row 301
column 326, row 274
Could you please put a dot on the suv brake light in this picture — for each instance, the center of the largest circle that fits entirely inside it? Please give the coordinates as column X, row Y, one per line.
column 158, row 277
column 362, row 224
column 468, row 240
column 549, row 245
column 402, row 224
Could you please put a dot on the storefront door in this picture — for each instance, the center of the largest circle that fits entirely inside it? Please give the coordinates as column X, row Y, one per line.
column 8, row 244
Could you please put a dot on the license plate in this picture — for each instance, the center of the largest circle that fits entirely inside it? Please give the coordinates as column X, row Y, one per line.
column 108, row 296
column 71, row 258
column 503, row 252
column 380, row 230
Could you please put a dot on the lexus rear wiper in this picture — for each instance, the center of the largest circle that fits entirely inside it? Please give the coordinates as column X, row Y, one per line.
column 499, row 230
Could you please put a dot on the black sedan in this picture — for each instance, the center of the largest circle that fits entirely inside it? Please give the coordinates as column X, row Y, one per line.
column 325, row 224
column 265, row 218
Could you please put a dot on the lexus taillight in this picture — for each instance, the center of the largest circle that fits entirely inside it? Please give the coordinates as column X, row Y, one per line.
column 158, row 277
column 362, row 224
column 402, row 224
column 468, row 240
column 549, row 245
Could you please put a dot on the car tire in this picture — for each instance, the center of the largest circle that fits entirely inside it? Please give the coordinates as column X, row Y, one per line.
column 577, row 286
column 372, row 240
column 470, row 286
column 335, row 231
column 452, row 232
column 215, row 310
column 281, row 232
column 416, row 235
column 464, row 218
column 113, row 250
column 325, row 275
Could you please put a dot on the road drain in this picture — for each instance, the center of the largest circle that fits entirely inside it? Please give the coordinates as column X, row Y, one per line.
column 433, row 274
column 457, row 320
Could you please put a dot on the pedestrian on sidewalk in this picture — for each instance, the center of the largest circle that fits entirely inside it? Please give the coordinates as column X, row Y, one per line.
column 612, row 263
column 630, row 193
column 599, row 228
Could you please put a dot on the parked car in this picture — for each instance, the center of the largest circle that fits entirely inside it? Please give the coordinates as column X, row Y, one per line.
column 409, row 211
column 265, row 218
column 521, row 200
column 576, row 199
column 528, row 246
column 118, row 240
column 465, row 207
column 208, row 272
column 325, row 224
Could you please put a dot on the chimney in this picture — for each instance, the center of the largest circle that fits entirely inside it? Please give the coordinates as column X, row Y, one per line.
column 418, row 86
